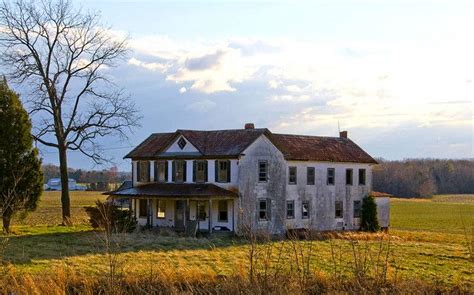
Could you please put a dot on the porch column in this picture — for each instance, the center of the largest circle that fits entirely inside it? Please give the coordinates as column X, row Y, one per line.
column 210, row 216
column 170, row 171
column 152, row 212
column 233, row 215
column 185, row 214
column 130, row 204
column 135, row 212
column 148, row 210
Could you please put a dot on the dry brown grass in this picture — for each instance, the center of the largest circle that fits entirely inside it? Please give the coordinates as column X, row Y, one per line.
column 63, row 281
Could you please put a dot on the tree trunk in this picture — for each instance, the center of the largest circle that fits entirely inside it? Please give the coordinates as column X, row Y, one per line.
column 65, row 201
column 6, row 217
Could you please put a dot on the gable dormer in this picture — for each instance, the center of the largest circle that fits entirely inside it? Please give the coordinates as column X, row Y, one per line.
column 181, row 146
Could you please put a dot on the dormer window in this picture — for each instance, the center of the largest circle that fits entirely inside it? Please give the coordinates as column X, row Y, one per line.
column 181, row 143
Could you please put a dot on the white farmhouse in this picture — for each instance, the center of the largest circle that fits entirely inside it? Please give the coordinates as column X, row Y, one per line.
column 228, row 180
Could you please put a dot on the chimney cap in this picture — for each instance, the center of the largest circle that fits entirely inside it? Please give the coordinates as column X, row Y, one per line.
column 249, row 126
column 343, row 134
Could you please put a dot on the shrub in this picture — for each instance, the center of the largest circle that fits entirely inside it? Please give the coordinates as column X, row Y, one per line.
column 369, row 221
column 110, row 218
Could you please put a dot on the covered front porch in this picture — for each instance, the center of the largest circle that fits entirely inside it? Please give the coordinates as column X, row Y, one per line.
column 189, row 208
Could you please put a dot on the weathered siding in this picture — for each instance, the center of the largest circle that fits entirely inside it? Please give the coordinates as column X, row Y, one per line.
column 322, row 197
column 251, row 190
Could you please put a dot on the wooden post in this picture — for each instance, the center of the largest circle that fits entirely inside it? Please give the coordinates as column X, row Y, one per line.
column 135, row 208
column 148, row 212
column 197, row 216
column 151, row 212
column 184, row 214
column 233, row 215
column 210, row 216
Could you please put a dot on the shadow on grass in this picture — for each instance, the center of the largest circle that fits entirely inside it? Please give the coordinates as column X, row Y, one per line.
column 23, row 249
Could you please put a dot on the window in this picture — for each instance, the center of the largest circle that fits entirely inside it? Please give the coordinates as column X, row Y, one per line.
column 200, row 171
column 179, row 171
column 338, row 209
column 263, row 209
column 201, row 210
column 161, row 209
column 361, row 176
column 310, row 176
column 222, row 171
column 357, row 209
column 161, row 171
column 331, row 176
column 292, row 175
column 348, row 176
column 222, row 211
column 262, row 171
column 305, row 210
column 143, row 210
column 143, row 171
column 181, row 143
column 290, row 209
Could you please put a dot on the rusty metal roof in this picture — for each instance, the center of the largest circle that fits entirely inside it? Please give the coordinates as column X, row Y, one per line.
column 222, row 142
column 216, row 143
column 151, row 146
column 231, row 143
column 174, row 190
column 318, row 148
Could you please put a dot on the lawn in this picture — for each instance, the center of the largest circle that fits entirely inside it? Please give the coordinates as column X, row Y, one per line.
column 445, row 214
column 49, row 208
column 427, row 241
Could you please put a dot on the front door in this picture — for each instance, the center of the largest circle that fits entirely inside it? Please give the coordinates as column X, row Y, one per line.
column 179, row 214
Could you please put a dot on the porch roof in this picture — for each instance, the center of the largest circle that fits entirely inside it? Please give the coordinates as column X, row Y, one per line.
column 177, row 190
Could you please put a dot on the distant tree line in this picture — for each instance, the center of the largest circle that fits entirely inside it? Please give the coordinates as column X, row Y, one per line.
column 424, row 177
column 93, row 177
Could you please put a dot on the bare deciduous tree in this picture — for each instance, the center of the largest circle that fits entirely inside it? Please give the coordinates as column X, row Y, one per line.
column 61, row 56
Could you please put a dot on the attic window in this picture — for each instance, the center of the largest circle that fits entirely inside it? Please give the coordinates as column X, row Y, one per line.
column 181, row 143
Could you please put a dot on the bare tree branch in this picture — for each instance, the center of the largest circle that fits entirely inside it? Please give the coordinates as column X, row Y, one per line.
column 61, row 55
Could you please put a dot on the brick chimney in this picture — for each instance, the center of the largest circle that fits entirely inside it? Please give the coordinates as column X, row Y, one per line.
column 343, row 134
column 249, row 126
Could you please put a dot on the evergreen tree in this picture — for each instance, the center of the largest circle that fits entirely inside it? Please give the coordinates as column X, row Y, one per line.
column 21, row 179
column 369, row 221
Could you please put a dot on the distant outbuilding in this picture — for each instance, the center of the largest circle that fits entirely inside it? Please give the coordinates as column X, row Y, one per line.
column 54, row 184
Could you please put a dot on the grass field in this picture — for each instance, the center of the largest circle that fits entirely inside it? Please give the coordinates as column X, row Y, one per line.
column 446, row 214
column 427, row 242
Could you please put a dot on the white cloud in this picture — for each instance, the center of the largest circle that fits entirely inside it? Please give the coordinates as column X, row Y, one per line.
column 182, row 90
column 152, row 66
column 362, row 84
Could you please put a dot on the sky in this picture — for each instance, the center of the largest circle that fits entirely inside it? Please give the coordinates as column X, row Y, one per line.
column 398, row 75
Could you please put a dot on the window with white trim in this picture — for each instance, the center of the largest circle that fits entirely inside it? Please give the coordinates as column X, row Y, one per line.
column 263, row 209
column 331, row 176
column 262, row 171
column 339, row 209
column 305, row 210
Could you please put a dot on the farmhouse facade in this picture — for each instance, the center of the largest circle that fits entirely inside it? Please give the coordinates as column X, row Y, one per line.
column 230, row 180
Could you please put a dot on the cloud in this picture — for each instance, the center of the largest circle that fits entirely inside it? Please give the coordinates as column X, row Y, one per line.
column 309, row 87
column 152, row 66
column 205, row 62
